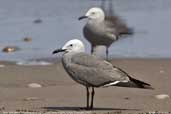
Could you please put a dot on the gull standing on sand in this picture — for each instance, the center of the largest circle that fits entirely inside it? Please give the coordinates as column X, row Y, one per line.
column 92, row 72
column 101, row 31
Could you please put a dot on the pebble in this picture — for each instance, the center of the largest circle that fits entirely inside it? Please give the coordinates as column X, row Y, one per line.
column 162, row 96
column 37, row 21
column 34, row 85
column 27, row 39
column 127, row 98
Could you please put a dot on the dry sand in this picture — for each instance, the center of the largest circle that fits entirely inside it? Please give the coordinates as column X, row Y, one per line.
column 60, row 94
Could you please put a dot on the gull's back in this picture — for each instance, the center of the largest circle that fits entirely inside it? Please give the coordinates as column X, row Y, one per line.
column 89, row 71
column 120, row 27
column 92, row 72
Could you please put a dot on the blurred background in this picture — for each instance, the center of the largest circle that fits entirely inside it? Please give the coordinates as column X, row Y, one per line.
column 37, row 27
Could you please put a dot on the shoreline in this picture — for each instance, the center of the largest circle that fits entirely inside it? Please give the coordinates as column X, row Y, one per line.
column 58, row 60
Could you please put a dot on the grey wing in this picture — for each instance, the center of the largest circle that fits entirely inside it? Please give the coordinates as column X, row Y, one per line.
column 118, row 25
column 94, row 72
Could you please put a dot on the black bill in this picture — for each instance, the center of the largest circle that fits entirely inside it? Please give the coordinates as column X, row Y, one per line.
column 82, row 17
column 58, row 50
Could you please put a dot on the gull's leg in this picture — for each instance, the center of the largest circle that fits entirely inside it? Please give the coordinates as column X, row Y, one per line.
column 103, row 2
column 107, row 54
column 111, row 12
column 92, row 98
column 87, row 97
column 91, row 49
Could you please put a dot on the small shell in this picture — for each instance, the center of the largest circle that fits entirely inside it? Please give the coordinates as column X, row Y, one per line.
column 162, row 96
column 1, row 66
column 162, row 71
column 34, row 85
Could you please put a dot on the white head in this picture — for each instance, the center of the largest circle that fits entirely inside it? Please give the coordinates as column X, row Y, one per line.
column 74, row 45
column 94, row 13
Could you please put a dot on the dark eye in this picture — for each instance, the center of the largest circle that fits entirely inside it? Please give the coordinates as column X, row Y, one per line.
column 93, row 13
column 71, row 45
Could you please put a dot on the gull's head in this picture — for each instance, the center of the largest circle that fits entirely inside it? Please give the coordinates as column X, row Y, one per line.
column 94, row 13
column 74, row 45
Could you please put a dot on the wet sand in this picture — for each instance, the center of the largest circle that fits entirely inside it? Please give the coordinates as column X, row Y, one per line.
column 60, row 94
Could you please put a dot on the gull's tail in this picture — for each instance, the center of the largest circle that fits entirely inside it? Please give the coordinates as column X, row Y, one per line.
column 134, row 83
column 127, row 31
column 124, row 31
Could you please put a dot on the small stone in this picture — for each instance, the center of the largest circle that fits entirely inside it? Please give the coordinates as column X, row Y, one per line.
column 27, row 39
column 37, row 21
column 162, row 96
column 34, row 85
column 2, row 108
column 10, row 49
column 126, row 98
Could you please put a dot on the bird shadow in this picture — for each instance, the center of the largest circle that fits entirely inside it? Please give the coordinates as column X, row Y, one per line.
column 85, row 109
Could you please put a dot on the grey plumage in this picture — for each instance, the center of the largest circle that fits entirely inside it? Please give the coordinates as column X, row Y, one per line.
column 92, row 72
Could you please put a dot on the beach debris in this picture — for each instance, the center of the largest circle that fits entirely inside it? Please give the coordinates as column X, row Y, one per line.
column 27, row 39
column 127, row 98
column 33, row 63
column 162, row 96
column 34, row 85
column 23, row 111
column 10, row 49
column 1, row 66
column 2, row 108
column 162, row 71
column 31, row 99
column 37, row 21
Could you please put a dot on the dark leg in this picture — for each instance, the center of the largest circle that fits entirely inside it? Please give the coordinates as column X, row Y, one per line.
column 107, row 52
column 103, row 4
column 110, row 2
column 87, row 97
column 91, row 49
column 92, row 98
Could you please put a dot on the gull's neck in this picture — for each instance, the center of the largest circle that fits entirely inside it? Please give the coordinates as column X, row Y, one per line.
column 97, row 20
column 66, row 59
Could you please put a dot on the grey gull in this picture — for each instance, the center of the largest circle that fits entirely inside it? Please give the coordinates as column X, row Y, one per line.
column 92, row 72
column 101, row 30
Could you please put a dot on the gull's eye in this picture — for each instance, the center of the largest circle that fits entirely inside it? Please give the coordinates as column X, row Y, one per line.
column 71, row 45
column 93, row 13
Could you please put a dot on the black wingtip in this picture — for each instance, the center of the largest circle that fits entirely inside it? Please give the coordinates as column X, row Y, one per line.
column 134, row 82
column 130, row 31
column 140, row 84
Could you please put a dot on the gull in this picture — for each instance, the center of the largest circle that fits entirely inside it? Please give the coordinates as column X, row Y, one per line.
column 93, row 72
column 101, row 30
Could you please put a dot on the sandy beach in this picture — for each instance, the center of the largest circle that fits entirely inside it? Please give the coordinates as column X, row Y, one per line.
column 59, row 93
